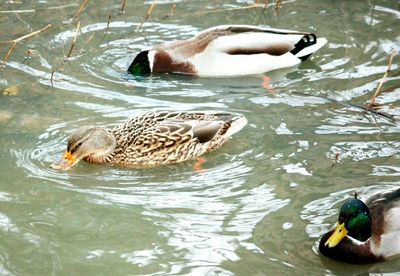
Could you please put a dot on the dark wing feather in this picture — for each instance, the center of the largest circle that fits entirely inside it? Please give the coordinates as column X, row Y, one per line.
column 378, row 205
column 170, row 134
column 244, row 29
column 207, row 130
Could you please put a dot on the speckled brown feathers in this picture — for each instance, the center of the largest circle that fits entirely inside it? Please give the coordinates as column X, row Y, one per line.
column 168, row 137
column 152, row 138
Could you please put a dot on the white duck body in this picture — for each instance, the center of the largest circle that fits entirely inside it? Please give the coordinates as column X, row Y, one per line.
column 234, row 50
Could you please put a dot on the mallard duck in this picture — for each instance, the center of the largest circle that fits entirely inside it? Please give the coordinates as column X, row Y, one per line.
column 152, row 138
column 229, row 50
column 366, row 232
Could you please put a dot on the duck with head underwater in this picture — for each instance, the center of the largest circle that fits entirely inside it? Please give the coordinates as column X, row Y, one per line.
column 229, row 50
column 366, row 232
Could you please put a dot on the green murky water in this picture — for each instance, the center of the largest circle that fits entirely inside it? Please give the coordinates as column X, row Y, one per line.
column 260, row 203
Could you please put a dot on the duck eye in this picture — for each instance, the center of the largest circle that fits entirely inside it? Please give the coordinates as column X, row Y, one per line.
column 75, row 148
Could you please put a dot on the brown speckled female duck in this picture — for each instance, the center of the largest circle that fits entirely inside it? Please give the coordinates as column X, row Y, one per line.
column 152, row 138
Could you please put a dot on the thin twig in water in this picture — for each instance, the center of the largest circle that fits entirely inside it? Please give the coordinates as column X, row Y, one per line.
column 73, row 44
column 78, row 26
column 81, row 7
column 31, row 34
column 51, row 77
column 108, row 24
column 9, row 53
column 147, row 15
column 23, row 21
column 278, row 6
column 18, row 11
column 170, row 13
column 90, row 38
column 123, row 6
column 388, row 116
column 378, row 89
column 107, row 28
column 336, row 159
column 15, row 41
column 62, row 6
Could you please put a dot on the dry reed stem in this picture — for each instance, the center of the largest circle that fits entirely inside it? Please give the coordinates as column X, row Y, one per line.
column 9, row 53
column 123, row 6
column 18, row 11
column 336, row 160
column 51, row 77
column 107, row 28
column 78, row 26
column 170, row 13
column 278, row 6
column 90, row 38
column 147, row 15
column 61, row 7
column 81, row 7
column 366, row 109
column 108, row 23
column 378, row 89
column 53, row 71
column 31, row 34
column 15, row 41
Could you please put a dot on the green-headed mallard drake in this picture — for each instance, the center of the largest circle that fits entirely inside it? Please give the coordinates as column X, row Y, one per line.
column 152, row 138
column 366, row 232
column 229, row 50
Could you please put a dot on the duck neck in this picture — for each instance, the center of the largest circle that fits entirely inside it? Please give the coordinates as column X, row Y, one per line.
column 106, row 155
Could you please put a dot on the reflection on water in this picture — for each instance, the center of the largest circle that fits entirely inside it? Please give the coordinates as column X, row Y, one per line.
column 259, row 204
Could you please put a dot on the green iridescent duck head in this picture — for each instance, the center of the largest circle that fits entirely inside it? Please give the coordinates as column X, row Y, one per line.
column 354, row 221
column 141, row 64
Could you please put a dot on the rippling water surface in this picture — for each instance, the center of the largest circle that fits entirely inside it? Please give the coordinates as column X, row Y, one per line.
column 259, row 204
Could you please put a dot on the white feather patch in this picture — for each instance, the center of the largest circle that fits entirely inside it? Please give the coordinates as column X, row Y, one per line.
column 237, row 124
column 150, row 56
column 390, row 241
column 215, row 60
column 313, row 48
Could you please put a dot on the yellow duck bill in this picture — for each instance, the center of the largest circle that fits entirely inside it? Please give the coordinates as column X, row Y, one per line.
column 337, row 236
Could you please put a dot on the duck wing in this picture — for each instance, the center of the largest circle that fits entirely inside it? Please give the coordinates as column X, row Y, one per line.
column 174, row 141
column 245, row 39
column 242, row 50
column 385, row 213
column 168, row 130
column 172, row 133
column 235, row 39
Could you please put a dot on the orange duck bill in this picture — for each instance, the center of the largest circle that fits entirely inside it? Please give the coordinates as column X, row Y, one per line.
column 66, row 162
